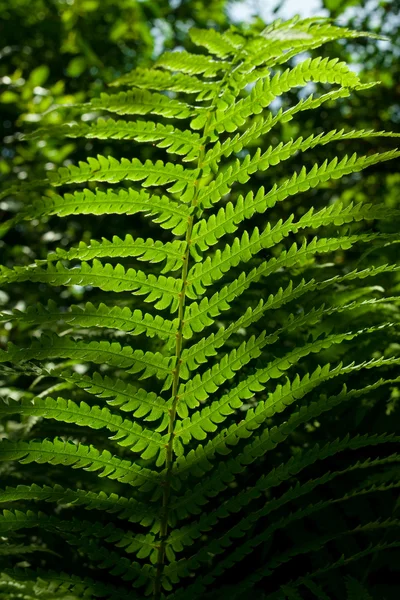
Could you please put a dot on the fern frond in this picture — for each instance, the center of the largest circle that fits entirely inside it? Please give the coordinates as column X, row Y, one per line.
column 125, row 508
column 188, row 533
column 209, row 231
column 299, row 182
column 141, row 102
column 356, row 591
column 178, row 570
column 234, row 428
column 316, row 545
column 113, row 317
column 283, row 395
column 55, row 582
column 113, row 354
column 239, row 553
column 200, row 387
column 147, row 443
column 162, row 210
column 268, row 440
column 199, row 315
column 141, row 544
column 275, row 155
column 176, row 141
column 315, row 589
column 138, row 575
column 343, row 560
column 262, row 124
column 20, row 550
column 79, row 456
column 279, row 42
column 113, row 171
column 157, row 79
column 124, row 395
column 322, row 173
column 221, row 44
column 145, row 250
column 161, row 290
column 242, row 250
column 266, row 90
column 198, row 353
column 192, row 64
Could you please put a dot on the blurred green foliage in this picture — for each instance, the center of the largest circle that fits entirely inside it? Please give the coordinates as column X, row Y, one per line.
column 56, row 51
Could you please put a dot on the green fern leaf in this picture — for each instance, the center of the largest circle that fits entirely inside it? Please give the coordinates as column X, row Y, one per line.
column 198, row 353
column 198, row 315
column 156, row 79
column 161, row 290
column 232, row 430
column 184, row 143
column 145, row 250
column 200, row 387
column 192, row 64
column 220, row 44
column 148, row 444
column 125, row 396
column 141, row 102
column 123, row 319
column 113, row 171
column 79, row 456
column 187, row 534
column 299, row 182
column 265, row 91
column 209, row 231
column 191, row 502
column 130, row 509
column 162, row 210
column 113, row 354
column 140, row 544
column 262, row 124
column 53, row 582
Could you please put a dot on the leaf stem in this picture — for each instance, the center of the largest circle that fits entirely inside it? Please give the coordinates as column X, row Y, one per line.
column 175, row 398
column 178, row 349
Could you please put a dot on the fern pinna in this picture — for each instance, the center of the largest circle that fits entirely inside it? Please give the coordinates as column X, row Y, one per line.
column 223, row 363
